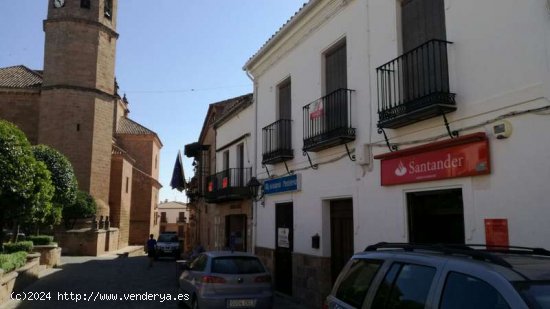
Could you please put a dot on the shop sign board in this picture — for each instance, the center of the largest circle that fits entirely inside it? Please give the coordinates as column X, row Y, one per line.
column 282, row 237
column 496, row 232
column 282, row 184
column 460, row 157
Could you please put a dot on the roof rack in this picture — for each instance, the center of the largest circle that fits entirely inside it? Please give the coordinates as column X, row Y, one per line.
column 511, row 249
column 449, row 249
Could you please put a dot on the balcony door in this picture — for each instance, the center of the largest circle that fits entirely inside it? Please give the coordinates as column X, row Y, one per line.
column 335, row 105
column 225, row 170
column 285, row 113
column 239, row 172
column 421, row 21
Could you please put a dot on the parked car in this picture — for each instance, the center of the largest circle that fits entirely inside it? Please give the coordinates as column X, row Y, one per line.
column 446, row 277
column 168, row 244
column 224, row 279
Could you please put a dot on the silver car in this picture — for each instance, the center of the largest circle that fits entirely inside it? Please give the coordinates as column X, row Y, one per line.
column 408, row 276
column 224, row 279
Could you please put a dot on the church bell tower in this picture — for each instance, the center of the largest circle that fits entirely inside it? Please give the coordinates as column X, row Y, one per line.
column 78, row 93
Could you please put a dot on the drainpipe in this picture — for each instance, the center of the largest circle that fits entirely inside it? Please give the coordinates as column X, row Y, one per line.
column 254, row 163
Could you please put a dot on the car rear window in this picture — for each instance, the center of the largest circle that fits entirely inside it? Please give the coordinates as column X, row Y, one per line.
column 237, row 265
column 168, row 238
column 356, row 281
column 535, row 293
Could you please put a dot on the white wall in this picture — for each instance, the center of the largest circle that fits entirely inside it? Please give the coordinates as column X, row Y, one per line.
column 499, row 63
column 172, row 211
column 235, row 127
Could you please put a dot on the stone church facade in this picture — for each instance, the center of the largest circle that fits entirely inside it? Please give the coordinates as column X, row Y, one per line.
column 73, row 105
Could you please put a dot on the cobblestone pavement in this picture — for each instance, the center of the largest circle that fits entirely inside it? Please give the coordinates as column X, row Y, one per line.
column 91, row 278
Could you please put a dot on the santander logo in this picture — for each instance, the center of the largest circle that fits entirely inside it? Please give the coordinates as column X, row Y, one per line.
column 401, row 169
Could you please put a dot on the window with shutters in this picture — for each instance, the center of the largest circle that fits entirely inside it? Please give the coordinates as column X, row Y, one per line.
column 276, row 137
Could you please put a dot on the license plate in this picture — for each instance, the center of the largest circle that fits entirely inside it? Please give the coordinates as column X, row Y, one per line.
column 241, row 303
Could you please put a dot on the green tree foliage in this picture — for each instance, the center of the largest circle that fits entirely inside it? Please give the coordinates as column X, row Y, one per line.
column 83, row 207
column 25, row 184
column 17, row 166
column 63, row 180
column 38, row 208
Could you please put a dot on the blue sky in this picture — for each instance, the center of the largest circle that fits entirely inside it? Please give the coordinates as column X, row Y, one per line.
column 174, row 57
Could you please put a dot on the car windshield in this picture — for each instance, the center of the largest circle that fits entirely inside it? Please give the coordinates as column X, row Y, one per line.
column 237, row 265
column 535, row 293
column 168, row 238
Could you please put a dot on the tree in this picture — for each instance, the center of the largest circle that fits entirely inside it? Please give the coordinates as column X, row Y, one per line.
column 25, row 183
column 63, row 180
column 83, row 207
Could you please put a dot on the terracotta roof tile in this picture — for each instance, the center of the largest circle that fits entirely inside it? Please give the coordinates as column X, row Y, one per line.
column 19, row 77
column 128, row 126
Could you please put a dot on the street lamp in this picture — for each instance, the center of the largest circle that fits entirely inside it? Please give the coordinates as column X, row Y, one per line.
column 254, row 186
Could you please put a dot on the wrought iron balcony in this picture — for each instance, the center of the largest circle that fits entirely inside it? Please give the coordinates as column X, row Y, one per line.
column 277, row 142
column 415, row 86
column 228, row 185
column 327, row 121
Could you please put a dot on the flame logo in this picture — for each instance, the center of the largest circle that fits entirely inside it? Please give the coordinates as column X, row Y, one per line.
column 401, row 169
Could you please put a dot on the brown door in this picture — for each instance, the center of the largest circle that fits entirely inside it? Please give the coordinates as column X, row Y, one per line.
column 283, row 247
column 341, row 234
column 235, row 232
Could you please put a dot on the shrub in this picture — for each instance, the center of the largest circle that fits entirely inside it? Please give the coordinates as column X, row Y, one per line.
column 9, row 262
column 18, row 246
column 41, row 240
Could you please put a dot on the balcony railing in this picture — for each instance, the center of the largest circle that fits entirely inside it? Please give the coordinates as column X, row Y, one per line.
column 415, row 86
column 327, row 121
column 277, row 142
column 228, row 185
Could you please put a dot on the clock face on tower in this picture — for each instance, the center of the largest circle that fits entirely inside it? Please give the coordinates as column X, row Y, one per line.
column 58, row 3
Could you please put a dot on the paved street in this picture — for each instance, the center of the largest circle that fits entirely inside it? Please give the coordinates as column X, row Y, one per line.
column 89, row 278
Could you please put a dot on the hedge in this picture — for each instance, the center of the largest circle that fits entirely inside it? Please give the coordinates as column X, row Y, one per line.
column 9, row 262
column 41, row 240
column 26, row 246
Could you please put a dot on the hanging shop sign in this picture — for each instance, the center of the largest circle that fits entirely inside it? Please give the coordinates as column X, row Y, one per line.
column 459, row 157
column 283, row 184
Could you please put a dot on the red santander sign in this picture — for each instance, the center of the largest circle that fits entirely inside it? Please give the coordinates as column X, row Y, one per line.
column 459, row 157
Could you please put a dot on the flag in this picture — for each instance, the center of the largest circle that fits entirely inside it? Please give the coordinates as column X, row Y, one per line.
column 178, row 176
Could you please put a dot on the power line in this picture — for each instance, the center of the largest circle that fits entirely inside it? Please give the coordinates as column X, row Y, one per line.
column 187, row 90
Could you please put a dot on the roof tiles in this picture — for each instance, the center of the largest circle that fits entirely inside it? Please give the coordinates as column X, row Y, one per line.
column 19, row 77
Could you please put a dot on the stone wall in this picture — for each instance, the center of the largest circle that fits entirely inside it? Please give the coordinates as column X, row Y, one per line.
column 21, row 108
column 267, row 256
column 82, row 242
column 50, row 255
column 120, row 197
column 142, row 212
column 311, row 279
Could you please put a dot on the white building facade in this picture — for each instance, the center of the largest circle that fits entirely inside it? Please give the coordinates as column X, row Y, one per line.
column 229, row 204
column 462, row 96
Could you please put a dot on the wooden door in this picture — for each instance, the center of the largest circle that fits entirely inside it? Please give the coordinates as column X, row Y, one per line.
column 341, row 235
column 283, row 247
